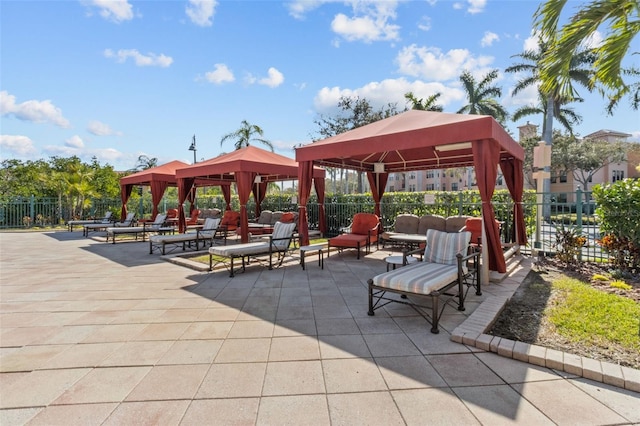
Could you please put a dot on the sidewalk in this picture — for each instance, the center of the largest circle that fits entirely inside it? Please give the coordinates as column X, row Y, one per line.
column 96, row 333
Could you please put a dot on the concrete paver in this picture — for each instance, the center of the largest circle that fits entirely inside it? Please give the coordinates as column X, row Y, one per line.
column 95, row 333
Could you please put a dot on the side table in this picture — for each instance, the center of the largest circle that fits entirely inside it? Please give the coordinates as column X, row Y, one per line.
column 398, row 261
column 320, row 248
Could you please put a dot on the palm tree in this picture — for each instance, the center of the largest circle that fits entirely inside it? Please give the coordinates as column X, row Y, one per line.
column 145, row 162
column 244, row 135
column 579, row 72
column 567, row 117
column 620, row 17
column 481, row 96
column 428, row 104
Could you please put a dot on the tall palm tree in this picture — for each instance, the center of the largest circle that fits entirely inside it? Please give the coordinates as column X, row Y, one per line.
column 428, row 104
column 482, row 96
column 622, row 20
column 567, row 117
column 244, row 135
column 579, row 72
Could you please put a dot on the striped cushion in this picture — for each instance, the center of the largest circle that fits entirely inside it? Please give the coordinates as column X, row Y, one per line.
column 283, row 230
column 211, row 224
column 442, row 247
column 241, row 249
column 419, row 278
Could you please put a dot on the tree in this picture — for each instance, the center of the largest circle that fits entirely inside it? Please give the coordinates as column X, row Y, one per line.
column 245, row 134
column 428, row 104
column 621, row 19
column 579, row 73
column 482, row 96
column 583, row 158
column 145, row 162
column 355, row 112
column 567, row 117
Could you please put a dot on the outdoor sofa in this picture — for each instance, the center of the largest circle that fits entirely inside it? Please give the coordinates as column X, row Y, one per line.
column 409, row 228
column 449, row 264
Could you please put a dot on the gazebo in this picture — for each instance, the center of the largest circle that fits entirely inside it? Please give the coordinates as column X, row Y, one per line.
column 422, row 140
column 158, row 178
column 251, row 169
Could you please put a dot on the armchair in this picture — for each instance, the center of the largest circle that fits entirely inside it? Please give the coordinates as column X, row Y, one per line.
column 364, row 231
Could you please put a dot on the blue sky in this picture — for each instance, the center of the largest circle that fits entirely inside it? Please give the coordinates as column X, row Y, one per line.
column 116, row 79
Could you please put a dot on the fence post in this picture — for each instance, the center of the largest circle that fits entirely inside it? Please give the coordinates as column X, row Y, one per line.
column 579, row 217
column 460, row 209
column 32, row 208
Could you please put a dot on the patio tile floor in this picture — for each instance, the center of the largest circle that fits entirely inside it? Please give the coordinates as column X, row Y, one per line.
column 95, row 333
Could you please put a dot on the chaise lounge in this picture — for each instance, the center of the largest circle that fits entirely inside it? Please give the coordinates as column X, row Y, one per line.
column 449, row 264
column 278, row 244
column 128, row 221
column 210, row 232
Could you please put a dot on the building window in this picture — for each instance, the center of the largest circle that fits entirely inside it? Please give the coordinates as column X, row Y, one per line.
column 499, row 182
column 444, row 187
column 562, row 198
column 412, row 187
column 563, row 178
column 392, row 189
column 454, row 186
column 617, row 175
column 430, row 174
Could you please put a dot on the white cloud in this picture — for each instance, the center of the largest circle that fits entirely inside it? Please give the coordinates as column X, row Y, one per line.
column 432, row 64
column 201, row 12
column 370, row 22
column 385, row 92
column 476, row 6
column 74, row 142
column 532, row 42
column 527, row 96
column 425, row 23
column 150, row 59
column 299, row 8
column 36, row 111
column 17, row 144
column 489, row 38
column 472, row 6
column 112, row 10
column 101, row 129
column 221, row 74
column 274, row 79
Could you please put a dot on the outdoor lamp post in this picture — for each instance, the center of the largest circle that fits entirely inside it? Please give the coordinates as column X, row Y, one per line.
column 193, row 148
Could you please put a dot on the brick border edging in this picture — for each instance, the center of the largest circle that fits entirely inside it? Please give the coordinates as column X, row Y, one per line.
column 472, row 333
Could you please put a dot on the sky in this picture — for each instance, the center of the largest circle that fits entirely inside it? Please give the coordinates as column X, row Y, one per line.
column 116, row 79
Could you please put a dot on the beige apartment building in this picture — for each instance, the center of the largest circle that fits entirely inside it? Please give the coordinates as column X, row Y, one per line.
column 464, row 178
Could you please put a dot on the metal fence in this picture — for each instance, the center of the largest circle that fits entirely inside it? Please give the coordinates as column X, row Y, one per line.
column 546, row 215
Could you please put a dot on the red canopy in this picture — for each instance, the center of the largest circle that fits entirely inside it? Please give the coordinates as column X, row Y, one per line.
column 421, row 140
column 242, row 167
column 158, row 178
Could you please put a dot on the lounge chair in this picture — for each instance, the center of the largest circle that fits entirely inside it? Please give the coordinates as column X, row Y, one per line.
column 278, row 244
column 363, row 232
column 230, row 221
column 158, row 225
column 128, row 221
column 210, row 232
column 106, row 219
column 449, row 264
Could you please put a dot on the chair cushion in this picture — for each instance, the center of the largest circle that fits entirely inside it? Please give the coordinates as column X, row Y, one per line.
column 419, row 278
column 287, row 217
column 282, row 230
column 210, row 224
column 474, row 225
column 240, row 249
column 431, row 221
column 456, row 223
column 230, row 219
column 172, row 238
column 363, row 223
column 406, row 224
column 442, row 247
column 348, row 240
column 265, row 217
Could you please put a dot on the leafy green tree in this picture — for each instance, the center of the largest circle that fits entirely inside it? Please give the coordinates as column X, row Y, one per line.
column 622, row 20
column 482, row 95
column 354, row 112
column 428, row 104
column 245, row 134
column 23, row 179
column 583, row 158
